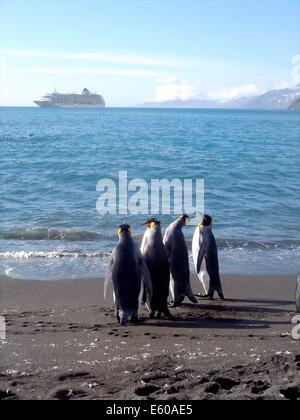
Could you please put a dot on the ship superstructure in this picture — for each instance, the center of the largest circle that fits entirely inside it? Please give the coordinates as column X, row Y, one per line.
column 71, row 100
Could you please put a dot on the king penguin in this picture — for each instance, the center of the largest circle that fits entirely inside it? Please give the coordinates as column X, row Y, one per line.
column 179, row 259
column 205, row 255
column 128, row 272
column 156, row 258
column 298, row 295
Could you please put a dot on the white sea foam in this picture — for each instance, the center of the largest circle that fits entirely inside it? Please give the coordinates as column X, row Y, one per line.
column 9, row 271
column 26, row 255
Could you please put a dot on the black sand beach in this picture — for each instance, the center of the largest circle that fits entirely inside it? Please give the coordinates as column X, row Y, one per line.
column 63, row 343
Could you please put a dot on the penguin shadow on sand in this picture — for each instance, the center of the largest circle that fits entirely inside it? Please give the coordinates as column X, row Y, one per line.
column 233, row 313
column 143, row 275
column 267, row 306
column 206, row 322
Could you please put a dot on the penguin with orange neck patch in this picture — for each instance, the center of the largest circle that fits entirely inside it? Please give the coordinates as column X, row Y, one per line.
column 179, row 260
column 157, row 262
column 128, row 273
column 205, row 255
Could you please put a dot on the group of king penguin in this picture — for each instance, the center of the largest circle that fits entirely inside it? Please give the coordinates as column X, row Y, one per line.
column 146, row 275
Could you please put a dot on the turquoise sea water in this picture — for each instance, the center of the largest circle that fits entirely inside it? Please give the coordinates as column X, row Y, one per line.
column 49, row 226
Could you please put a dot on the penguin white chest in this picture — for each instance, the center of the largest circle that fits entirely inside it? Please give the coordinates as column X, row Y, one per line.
column 144, row 242
column 196, row 246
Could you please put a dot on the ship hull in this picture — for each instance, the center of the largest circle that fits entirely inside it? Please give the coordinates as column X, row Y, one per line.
column 46, row 104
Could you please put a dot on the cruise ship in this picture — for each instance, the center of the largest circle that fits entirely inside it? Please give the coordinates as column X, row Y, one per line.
column 71, row 100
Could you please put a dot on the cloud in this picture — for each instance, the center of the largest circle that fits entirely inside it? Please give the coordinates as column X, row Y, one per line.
column 283, row 84
column 96, row 57
column 95, row 72
column 235, row 92
column 2, row 68
column 114, row 58
column 296, row 68
column 174, row 89
column 178, row 89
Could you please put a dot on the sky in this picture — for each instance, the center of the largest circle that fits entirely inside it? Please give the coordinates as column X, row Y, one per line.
column 134, row 51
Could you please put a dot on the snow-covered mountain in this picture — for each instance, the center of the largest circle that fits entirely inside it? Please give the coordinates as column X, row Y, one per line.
column 179, row 103
column 199, row 103
column 295, row 104
column 275, row 99
column 272, row 99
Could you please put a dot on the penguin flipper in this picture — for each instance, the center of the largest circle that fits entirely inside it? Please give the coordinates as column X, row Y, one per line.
column 142, row 295
column 108, row 275
column 213, row 270
column 166, row 243
column 146, row 279
column 172, row 288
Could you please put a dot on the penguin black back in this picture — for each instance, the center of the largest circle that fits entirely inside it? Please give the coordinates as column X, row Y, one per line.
column 157, row 261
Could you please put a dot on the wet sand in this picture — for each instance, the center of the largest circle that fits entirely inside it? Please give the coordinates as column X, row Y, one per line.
column 63, row 343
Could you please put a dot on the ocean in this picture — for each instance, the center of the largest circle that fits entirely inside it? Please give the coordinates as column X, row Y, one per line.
column 50, row 228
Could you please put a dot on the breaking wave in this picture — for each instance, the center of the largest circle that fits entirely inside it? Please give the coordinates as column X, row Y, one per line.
column 71, row 235
column 26, row 255
column 52, row 235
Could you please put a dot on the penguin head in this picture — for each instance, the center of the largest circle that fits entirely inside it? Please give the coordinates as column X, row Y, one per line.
column 124, row 229
column 152, row 223
column 185, row 218
column 207, row 220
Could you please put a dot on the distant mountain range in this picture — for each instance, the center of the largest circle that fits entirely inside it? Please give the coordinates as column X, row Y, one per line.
column 276, row 99
column 296, row 104
column 272, row 99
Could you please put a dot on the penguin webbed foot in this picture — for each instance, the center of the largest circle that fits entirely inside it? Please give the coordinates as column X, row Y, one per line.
column 168, row 315
column 193, row 299
column 175, row 304
column 135, row 320
column 155, row 315
column 206, row 297
column 123, row 319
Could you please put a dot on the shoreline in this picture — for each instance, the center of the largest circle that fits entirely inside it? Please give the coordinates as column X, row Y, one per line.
column 36, row 293
column 194, row 279
column 63, row 343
